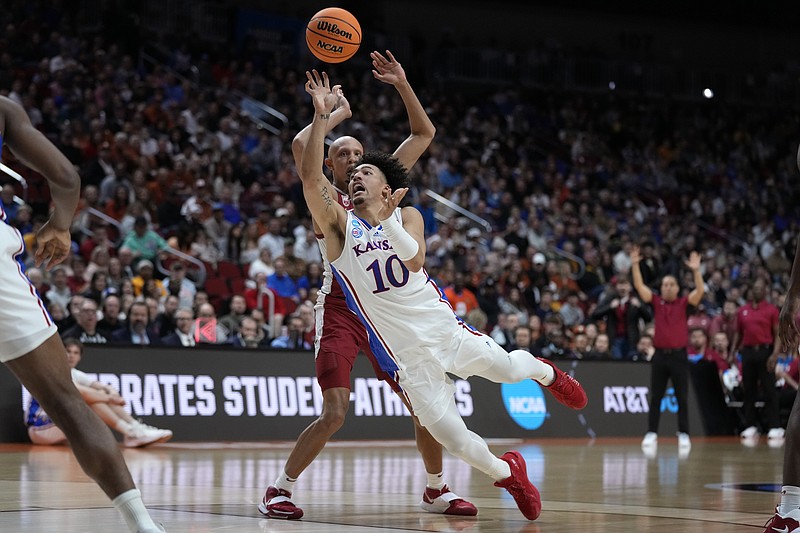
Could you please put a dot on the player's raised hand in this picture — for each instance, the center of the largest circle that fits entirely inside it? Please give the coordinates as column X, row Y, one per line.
column 342, row 102
column 389, row 201
column 387, row 70
column 322, row 95
column 52, row 245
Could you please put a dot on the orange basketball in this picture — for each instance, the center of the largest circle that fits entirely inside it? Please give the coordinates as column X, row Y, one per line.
column 333, row 35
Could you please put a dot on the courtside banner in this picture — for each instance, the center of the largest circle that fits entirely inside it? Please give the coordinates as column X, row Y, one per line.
column 215, row 393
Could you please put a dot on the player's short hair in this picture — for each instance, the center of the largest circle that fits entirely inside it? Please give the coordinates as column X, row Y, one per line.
column 395, row 172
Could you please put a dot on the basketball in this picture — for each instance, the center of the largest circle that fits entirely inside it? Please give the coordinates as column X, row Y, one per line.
column 333, row 35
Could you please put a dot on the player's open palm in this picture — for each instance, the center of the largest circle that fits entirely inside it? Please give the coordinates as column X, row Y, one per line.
column 319, row 87
column 390, row 201
column 387, row 70
column 52, row 245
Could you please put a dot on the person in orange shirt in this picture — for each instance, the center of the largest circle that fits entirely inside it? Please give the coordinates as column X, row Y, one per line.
column 461, row 299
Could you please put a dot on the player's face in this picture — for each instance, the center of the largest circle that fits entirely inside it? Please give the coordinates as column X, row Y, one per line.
column 366, row 182
column 342, row 157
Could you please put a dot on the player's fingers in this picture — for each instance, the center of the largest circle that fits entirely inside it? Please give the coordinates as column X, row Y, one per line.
column 310, row 77
column 391, row 56
column 325, row 81
column 380, row 57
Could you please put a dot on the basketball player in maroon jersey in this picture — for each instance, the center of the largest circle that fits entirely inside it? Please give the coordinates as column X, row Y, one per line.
column 340, row 335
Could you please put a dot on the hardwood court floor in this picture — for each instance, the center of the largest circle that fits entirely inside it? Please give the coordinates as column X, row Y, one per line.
column 606, row 485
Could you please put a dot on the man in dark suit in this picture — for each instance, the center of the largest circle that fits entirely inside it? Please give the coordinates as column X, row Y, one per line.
column 182, row 334
column 138, row 330
column 249, row 335
column 622, row 311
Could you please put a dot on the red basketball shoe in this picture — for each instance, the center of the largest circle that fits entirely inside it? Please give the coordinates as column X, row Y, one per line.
column 277, row 503
column 520, row 487
column 446, row 502
column 784, row 524
column 565, row 388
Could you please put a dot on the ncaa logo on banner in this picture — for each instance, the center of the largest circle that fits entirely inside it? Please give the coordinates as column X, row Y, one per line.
column 524, row 402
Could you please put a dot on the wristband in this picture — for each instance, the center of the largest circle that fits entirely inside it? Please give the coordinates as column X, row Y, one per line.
column 403, row 243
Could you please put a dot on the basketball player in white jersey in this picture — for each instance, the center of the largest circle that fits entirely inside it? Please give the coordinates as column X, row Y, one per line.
column 377, row 252
column 29, row 344
column 340, row 335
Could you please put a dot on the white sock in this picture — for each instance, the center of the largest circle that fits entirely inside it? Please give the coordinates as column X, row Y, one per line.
column 132, row 509
column 285, row 482
column 500, row 470
column 435, row 481
column 790, row 499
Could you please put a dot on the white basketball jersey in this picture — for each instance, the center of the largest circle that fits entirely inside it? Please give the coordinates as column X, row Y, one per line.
column 403, row 311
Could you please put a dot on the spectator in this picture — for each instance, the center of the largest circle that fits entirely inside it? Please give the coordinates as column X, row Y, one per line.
column 144, row 243
column 238, row 310
column 217, row 228
column 571, row 311
column 182, row 335
column 522, row 338
column 282, row 283
column 312, row 279
column 622, row 312
column 111, row 320
column 206, row 328
column 272, row 240
column 59, row 292
column 177, row 284
column 164, row 321
column 601, row 348
column 145, row 271
column 292, row 338
column 645, row 348
column 726, row 322
column 261, row 265
column 248, row 335
column 138, row 329
column 461, row 299
column 85, row 330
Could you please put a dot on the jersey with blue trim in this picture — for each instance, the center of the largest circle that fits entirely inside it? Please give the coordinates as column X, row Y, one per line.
column 403, row 311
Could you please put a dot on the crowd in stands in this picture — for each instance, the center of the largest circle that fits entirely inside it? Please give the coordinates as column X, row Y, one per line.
column 568, row 182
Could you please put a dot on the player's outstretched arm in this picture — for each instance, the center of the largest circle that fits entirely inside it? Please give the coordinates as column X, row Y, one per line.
column 338, row 115
column 317, row 190
column 388, row 70
column 38, row 153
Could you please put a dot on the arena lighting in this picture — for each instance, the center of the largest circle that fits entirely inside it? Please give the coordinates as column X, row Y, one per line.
column 612, row 85
column 708, row 93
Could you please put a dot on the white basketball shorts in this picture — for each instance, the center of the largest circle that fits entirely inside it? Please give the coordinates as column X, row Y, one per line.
column 24, row 322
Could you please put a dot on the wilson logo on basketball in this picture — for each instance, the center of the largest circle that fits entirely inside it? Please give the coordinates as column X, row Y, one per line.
column 334, row 29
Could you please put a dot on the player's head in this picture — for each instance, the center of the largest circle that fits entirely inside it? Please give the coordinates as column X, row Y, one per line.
column 343, row 154
column 373, row 172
